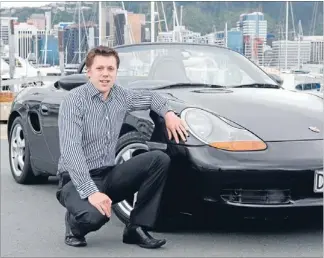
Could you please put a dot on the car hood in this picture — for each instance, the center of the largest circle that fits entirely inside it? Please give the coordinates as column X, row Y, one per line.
column 271, row 114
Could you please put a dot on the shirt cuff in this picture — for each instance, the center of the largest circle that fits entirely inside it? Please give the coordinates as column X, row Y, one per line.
column 87, row 189
column 165, row 109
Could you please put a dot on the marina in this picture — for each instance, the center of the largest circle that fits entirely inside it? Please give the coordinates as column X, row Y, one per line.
column 247, row 79
column 61, row 47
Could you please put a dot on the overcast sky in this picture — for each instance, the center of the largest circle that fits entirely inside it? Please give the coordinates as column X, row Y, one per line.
column 6, row 4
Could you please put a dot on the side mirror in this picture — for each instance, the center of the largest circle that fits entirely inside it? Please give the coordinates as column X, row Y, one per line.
column 276, row 78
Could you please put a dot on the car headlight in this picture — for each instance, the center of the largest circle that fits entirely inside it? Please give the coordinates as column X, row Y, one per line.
column 219, row 132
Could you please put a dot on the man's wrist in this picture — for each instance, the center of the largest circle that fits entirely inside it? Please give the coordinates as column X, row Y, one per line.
column 164, row 110
column 87, row 189
column 169, row 112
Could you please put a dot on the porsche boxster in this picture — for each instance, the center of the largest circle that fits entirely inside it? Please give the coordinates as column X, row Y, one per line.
column 251, row 144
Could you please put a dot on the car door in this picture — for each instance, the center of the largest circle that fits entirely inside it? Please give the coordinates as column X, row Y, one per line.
column 39, row 152
column 49, row 109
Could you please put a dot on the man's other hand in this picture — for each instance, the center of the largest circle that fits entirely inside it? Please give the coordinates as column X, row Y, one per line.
column 176, row 126
column 102, row 202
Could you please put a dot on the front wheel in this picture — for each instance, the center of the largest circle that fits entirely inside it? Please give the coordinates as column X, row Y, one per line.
column 19, row 155
column 128, row 146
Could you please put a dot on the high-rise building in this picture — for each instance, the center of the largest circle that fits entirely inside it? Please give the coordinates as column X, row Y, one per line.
column 297, row 52
column 71, row 41
column 48, row 55
column 120, row 27
column 25, row 39
column 4, row 28
column 136, row 22
column 120, row 23
column 235, row 40
column 254, row 28
column 108, row 28
column 317, row 48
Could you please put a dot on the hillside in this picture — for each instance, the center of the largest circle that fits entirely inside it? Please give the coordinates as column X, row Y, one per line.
column 204, row 16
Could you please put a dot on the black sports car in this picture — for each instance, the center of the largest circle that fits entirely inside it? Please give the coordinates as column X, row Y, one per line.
column 252, row 143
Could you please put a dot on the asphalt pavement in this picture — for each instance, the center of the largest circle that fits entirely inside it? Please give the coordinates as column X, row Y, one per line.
column 32, row 225
column 3, row 131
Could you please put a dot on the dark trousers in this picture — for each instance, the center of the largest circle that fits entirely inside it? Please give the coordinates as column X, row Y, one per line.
column 145, row 174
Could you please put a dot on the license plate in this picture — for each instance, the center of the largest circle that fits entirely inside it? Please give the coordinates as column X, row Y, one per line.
column 318, row 181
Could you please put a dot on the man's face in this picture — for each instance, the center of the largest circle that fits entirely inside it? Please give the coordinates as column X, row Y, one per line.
column 103, row 72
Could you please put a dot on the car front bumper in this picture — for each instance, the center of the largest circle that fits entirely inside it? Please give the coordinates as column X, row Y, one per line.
column 273, row 178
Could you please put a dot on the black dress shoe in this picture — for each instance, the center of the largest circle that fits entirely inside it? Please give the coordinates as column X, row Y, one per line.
column 70, row 238
column 137, row 235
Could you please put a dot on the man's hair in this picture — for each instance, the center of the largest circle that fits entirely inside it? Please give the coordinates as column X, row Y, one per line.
column 101, row 51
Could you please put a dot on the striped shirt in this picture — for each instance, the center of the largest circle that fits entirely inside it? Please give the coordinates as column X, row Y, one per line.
column 89, row 128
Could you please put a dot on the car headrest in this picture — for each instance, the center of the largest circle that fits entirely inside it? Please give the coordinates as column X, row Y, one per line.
column 72, row 81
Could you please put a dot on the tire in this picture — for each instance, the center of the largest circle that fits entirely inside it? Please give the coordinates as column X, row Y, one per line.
column 128, row 142
column 19, row 147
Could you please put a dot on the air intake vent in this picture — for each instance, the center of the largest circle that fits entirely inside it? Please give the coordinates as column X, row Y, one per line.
column 252, row 196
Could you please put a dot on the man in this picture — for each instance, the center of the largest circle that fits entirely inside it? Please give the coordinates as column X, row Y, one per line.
column 90, row 120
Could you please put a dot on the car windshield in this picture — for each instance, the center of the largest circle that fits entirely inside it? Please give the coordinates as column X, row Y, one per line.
column 157, row 65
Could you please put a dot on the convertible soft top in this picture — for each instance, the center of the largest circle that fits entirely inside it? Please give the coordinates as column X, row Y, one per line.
column 72, row 81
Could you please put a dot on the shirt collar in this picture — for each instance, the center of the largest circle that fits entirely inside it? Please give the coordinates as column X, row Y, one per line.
column 95, row 92
column 92, row 89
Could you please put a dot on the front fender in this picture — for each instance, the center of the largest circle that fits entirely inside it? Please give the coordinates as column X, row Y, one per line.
column 17, row 110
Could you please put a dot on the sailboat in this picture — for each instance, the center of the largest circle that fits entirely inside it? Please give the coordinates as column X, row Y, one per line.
column 23, row 69
column 298, row 79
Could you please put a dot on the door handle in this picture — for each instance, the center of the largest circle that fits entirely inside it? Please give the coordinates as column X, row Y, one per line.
column 44, row 109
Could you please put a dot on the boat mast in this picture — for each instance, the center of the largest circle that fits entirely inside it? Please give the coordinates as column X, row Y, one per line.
column 287, row 15
column 79, row 12
column 152, row 22
column 100, row 23
column 164, row 17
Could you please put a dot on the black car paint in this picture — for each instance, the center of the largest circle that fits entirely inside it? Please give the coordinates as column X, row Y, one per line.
column 45, row 143
column 27, row 105
column 259, row 110
column 201, row 169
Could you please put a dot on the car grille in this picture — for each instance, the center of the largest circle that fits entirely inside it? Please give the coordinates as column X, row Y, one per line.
column 264, row 197
column 270, row 187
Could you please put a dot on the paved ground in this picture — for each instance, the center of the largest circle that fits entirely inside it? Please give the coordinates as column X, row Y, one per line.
column 32, row 225
column 3, row 131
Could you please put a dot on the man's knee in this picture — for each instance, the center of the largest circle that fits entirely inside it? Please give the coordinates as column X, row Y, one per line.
column 92, row 219
column 161, row 158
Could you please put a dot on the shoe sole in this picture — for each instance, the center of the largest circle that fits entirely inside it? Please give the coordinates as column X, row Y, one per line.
column 157, row 245
column 78, row 245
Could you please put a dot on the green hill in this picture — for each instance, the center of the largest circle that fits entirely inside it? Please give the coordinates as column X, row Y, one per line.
column 204, row 16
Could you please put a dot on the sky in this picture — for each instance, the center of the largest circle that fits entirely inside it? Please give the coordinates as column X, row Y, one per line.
column 8, row 4
column 26, row 3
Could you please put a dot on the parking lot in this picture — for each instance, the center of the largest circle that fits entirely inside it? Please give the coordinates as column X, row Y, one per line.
column 32, row 224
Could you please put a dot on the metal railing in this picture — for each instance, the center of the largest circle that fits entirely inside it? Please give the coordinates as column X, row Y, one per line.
column 25, row 80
